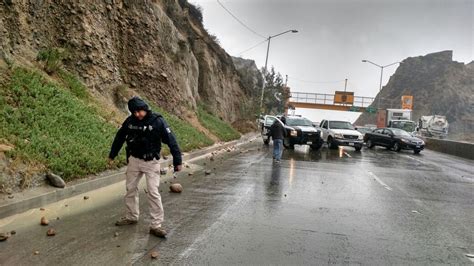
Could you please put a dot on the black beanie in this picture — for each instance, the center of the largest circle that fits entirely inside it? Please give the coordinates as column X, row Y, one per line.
column 137, row 104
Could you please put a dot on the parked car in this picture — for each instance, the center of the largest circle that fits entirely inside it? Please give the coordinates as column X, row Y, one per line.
column 341, row 133
column 394, row 138
column 300, row 131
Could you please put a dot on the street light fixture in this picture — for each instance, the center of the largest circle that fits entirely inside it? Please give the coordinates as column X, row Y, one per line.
column 266, row 61
column 381, row 75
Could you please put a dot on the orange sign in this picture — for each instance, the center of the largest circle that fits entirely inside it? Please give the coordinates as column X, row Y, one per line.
column 407, row 102
column 344, row 97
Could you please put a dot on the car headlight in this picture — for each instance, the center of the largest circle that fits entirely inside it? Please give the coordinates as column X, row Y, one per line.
column 338, row 135
column 360, row 137
column 293, row 133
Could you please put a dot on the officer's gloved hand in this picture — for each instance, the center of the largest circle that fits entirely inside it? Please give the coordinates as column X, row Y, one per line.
column 178, row 168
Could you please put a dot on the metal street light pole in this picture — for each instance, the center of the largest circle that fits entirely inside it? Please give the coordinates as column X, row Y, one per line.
column 266, row 62
column 381, row 75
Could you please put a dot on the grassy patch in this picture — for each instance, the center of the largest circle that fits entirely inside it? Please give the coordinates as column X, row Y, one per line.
column 73, row 83
column 221, row 129
column 50, row 125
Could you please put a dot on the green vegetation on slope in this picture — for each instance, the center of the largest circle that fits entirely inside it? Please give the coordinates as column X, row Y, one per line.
column 50, row 125
column 221, row 129
column 58, row 126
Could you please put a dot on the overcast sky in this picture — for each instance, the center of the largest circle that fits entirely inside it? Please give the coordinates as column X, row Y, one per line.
column 335, row 35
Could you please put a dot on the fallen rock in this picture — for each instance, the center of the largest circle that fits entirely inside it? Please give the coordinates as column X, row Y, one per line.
column 9, row 191
column 190, row 174
column 212, row 158
column 207, row 172
column 13, row 232
column 4, row 236
column 55, row 180
column 42, row 209
column 165, row 157
column 11, row 197
column 176, row 188
column 163, row 171
column 51, row 232
column 4, row 147
column 86, row 197
column 154, row 255
column 44, row 221
column 116, row 234
column 36, row 252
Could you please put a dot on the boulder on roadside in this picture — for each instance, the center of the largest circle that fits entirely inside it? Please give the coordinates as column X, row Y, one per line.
column 44, row 221
column 51, row 232
column 176, row 188
column 55, row 180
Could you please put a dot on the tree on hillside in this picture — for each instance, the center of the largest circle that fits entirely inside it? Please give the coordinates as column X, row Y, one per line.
column 274, row 94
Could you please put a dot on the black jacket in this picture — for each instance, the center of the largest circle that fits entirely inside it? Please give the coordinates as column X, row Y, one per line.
column 144, row 138
column 277, row 131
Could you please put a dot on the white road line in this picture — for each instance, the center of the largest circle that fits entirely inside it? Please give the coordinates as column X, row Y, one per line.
column 380, row 181
column 347, row 154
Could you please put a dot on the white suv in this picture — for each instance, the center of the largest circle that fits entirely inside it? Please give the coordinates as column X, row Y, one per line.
column 341, row 133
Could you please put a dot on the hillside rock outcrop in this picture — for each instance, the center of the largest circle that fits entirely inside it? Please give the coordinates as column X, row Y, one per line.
column 158, row 48
column 439, row 85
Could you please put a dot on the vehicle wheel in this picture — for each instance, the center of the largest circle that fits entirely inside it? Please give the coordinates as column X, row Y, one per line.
column 416, row 151
column 370, row 145
column 287, row 144
column 331, row 143
column 358, row 148
column 397, row 147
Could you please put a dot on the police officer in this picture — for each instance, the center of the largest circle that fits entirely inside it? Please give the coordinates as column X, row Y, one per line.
column 144, row 131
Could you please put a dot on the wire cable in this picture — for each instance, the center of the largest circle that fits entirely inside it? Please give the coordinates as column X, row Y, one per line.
column 248, row 49
column 238, row 20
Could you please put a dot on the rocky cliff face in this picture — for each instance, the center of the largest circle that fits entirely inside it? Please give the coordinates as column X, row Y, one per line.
column 250, row 76
column 157, row 48
column 439, row 85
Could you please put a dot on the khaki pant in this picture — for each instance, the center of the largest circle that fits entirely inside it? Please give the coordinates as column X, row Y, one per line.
column 135, row 170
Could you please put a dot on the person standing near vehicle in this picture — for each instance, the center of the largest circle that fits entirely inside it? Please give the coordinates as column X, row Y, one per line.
column 144, row 131
column 277, row 131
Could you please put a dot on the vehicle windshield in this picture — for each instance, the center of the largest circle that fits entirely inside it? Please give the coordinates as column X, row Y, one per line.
column 298, row 122
column 400, row 132
column 269, row 120
column 408, row 126
column 340, row 125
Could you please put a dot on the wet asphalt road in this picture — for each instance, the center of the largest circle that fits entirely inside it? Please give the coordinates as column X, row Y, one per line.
column 374, row 207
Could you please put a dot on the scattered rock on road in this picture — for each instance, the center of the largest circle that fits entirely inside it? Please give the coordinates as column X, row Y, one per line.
column 116, row 234
column 42, row 209
column 4, row 236
column 154, row 254
column 176, row 188
column 163, row 171
column 86, row 197
column 208, row 172
column 36, row 252
column 11, row 196
column 44, row 221
column 51, row 232
column 12, row 232
column 55, row 180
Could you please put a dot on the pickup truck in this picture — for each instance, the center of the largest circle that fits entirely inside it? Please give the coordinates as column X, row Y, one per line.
column 301, row 131
column 341, row 133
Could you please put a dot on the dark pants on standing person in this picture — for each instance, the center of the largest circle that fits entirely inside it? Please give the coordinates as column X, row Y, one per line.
column 277, row 149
